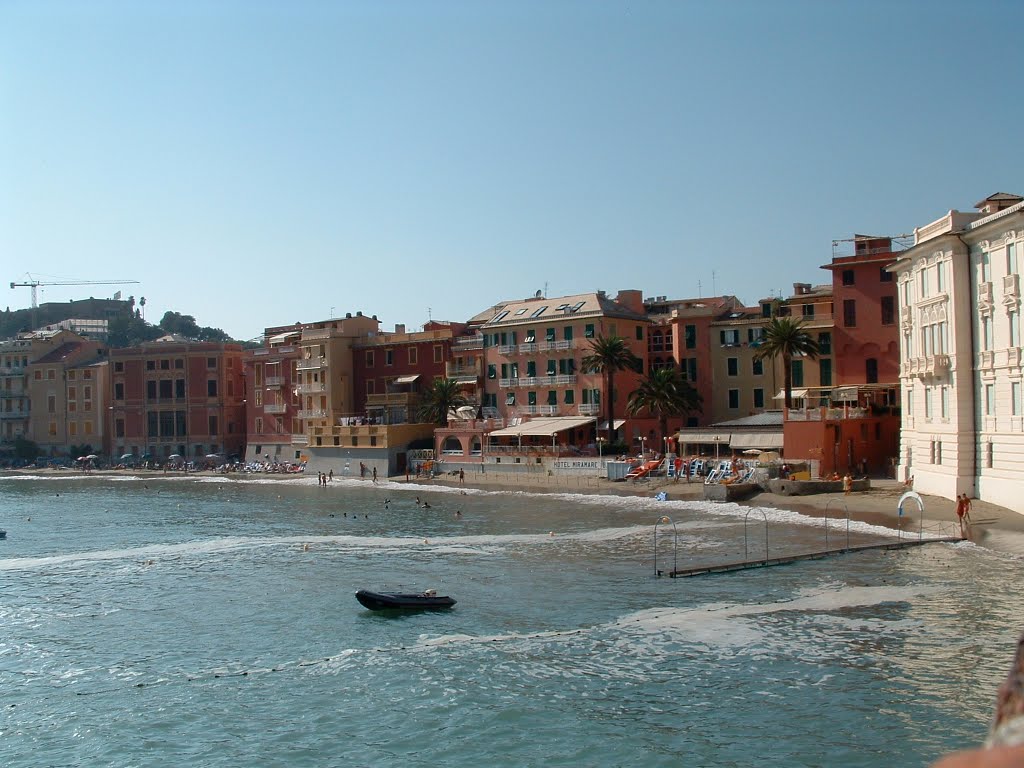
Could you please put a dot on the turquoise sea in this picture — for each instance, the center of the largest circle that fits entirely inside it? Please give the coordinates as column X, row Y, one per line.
column 211, row 622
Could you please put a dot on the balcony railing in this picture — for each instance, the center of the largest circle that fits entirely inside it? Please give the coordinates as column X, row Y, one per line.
column 538, row 381
column 274, row 381
column 590, row 409
column 312, row 364
column 550, row 346
column 274, row 408
column 1011, row 287
column 311, row 389
column 453, row 371
column 528, row 348
column 300, row 440
column 13, row 414
column 312, row 413
column 933, row 365
column 539, row 410
column 469, row 342
column 507, row 349
column 314, row 335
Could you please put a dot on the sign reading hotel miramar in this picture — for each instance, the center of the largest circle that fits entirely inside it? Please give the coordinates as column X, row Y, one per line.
column 577, row 464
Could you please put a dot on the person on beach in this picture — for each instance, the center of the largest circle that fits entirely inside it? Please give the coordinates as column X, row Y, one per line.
column 847, row 484
column 375, row 474
column 963, row 512
column 462, row 476
column 362, row 470
column 330, row 475
column 407, row 473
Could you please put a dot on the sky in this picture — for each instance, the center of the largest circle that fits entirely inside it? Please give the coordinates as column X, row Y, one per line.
column 260, row 163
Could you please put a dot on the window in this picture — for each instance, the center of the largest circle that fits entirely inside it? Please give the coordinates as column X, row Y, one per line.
column 51, row 404
column 119, row 367
column 153, row 424
column 808, row 310
column 986, row 268
column 871, row 370
column 923, row 277
column 165, row 389
column 119, row 390
column 510, row 398
column 531, row 398
column 1015, row 398
column 552, row 367
column 759, row 398
column 825, row 343
column 539, row 312
column 151, row 365
column 928, row 402
column 151, row 390
column 438, row 353
column 990, row 399
column 734, row 398
column 570, row 396
column 888, row 310
column 847, row 277
column 884, row 275
column 389, row 357
column 492, row 371
column 850, row 313
column 504, row 370
column 798, row 373
column 211, row 363
column 179, row 388
column 119, row 427
column 51, row 374
column 691, row 369
column 413, row 355
column 1011, row 258
column 71, row 375
column 944, row 402
column 211, row 388
column 213, row 425
column 567, row 333
column 639, row 333
column 369, row 358
column 552, row 397
column 165, row 365
column 732, row 365
column 179, row 364
column 755, row 336
column 729, row 338
column 549, row 334
column 758, row 367
column 588, row 331
column 259, row 430
column 531, row 368
column 825, row 372
column 986, row 332
column 691, row 337
column 938, row 451
column 940, row 275
column 1014, row 318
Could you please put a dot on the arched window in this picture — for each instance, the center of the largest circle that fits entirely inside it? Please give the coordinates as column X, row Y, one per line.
column 452, row 445
column 474, row 447
column 871, row 370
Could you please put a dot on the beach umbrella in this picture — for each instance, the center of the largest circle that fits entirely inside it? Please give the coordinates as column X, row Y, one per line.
column 91, row 456
column 174, row 456
column 126, row 456
column 752, row 452
column 81, row 458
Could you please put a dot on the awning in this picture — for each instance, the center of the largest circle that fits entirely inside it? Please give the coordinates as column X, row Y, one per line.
column 283, row 337
column 468, row 378
column 844, row 394
column 695, row 438
column 768, row 440
column 542, row 427
column 796, row 393
column 617, row 422
column 407, row 379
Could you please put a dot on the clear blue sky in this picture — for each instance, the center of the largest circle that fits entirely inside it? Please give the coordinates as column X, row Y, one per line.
column 255, row 164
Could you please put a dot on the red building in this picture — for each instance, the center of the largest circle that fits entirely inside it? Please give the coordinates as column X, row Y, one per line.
column 391, row 370
column 866, row 334
column 174, row 396
column 272, row 392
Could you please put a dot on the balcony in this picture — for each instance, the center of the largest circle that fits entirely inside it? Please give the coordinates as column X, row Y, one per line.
column 590, row 409
column 312, row 413
column 300, row 440
column 529, row 348
column 274, row 381
column 507, row 349
column 311, row 389
column 1011, row 288
column 311, row 364
column 539, row 410
column 468, row 342
column 275, row 408
column 316, row 335
column 23, row 414
column 391, row 398
column 925, row 367
column 553, row 346
column 984, row 296
column 453, row 371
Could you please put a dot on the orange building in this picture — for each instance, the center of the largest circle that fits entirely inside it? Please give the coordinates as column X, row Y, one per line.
column 174, row 396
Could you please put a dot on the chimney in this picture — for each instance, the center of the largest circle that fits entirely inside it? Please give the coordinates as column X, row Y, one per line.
column 399, row 327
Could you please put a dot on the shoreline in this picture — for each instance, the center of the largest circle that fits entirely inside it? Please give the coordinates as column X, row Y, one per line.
column 876, row 506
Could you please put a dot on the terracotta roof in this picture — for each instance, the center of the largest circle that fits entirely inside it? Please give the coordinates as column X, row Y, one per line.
column 61, row 353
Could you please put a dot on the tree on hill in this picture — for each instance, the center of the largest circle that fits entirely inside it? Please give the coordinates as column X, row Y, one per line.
column 185, row 325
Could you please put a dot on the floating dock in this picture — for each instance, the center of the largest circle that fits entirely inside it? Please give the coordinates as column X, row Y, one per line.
column 763, row 562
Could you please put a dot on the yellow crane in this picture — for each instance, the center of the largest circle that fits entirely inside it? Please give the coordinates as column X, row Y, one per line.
column 34, row 285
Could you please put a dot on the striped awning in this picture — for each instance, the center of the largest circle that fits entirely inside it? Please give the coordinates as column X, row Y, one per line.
column 702, row 437
column 764, row 440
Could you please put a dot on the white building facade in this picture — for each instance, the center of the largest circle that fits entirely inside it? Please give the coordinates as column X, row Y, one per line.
column 960, row 343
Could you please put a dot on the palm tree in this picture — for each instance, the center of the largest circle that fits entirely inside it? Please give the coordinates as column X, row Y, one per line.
column 786, row 338
column 444, row 395
column 609, row 355
column 664, row 393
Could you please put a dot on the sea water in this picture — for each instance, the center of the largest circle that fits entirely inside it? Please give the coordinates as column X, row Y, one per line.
column 211, row 621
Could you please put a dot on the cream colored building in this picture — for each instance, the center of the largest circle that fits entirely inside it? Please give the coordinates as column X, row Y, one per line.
column 960, row 373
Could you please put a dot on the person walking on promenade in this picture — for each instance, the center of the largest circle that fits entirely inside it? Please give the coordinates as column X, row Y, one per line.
column 847, row 484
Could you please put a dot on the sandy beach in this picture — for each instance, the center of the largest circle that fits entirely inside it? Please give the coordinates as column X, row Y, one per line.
column 877, row 506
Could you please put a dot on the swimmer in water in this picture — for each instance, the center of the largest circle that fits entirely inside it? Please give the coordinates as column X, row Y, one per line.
column 386, row 503
column 458, row 513
column 426, row 505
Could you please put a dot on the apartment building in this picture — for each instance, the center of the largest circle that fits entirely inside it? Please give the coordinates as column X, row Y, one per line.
column 67, row 402
column 15, row 356
column 533, row 351
column 961, row 371
column 272, row 397
column 174, row 396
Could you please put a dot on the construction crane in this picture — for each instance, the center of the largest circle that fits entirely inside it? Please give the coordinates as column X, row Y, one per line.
column 34, row 285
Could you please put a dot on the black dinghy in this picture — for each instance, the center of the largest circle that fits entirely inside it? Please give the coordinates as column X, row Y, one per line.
column 428, row 600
